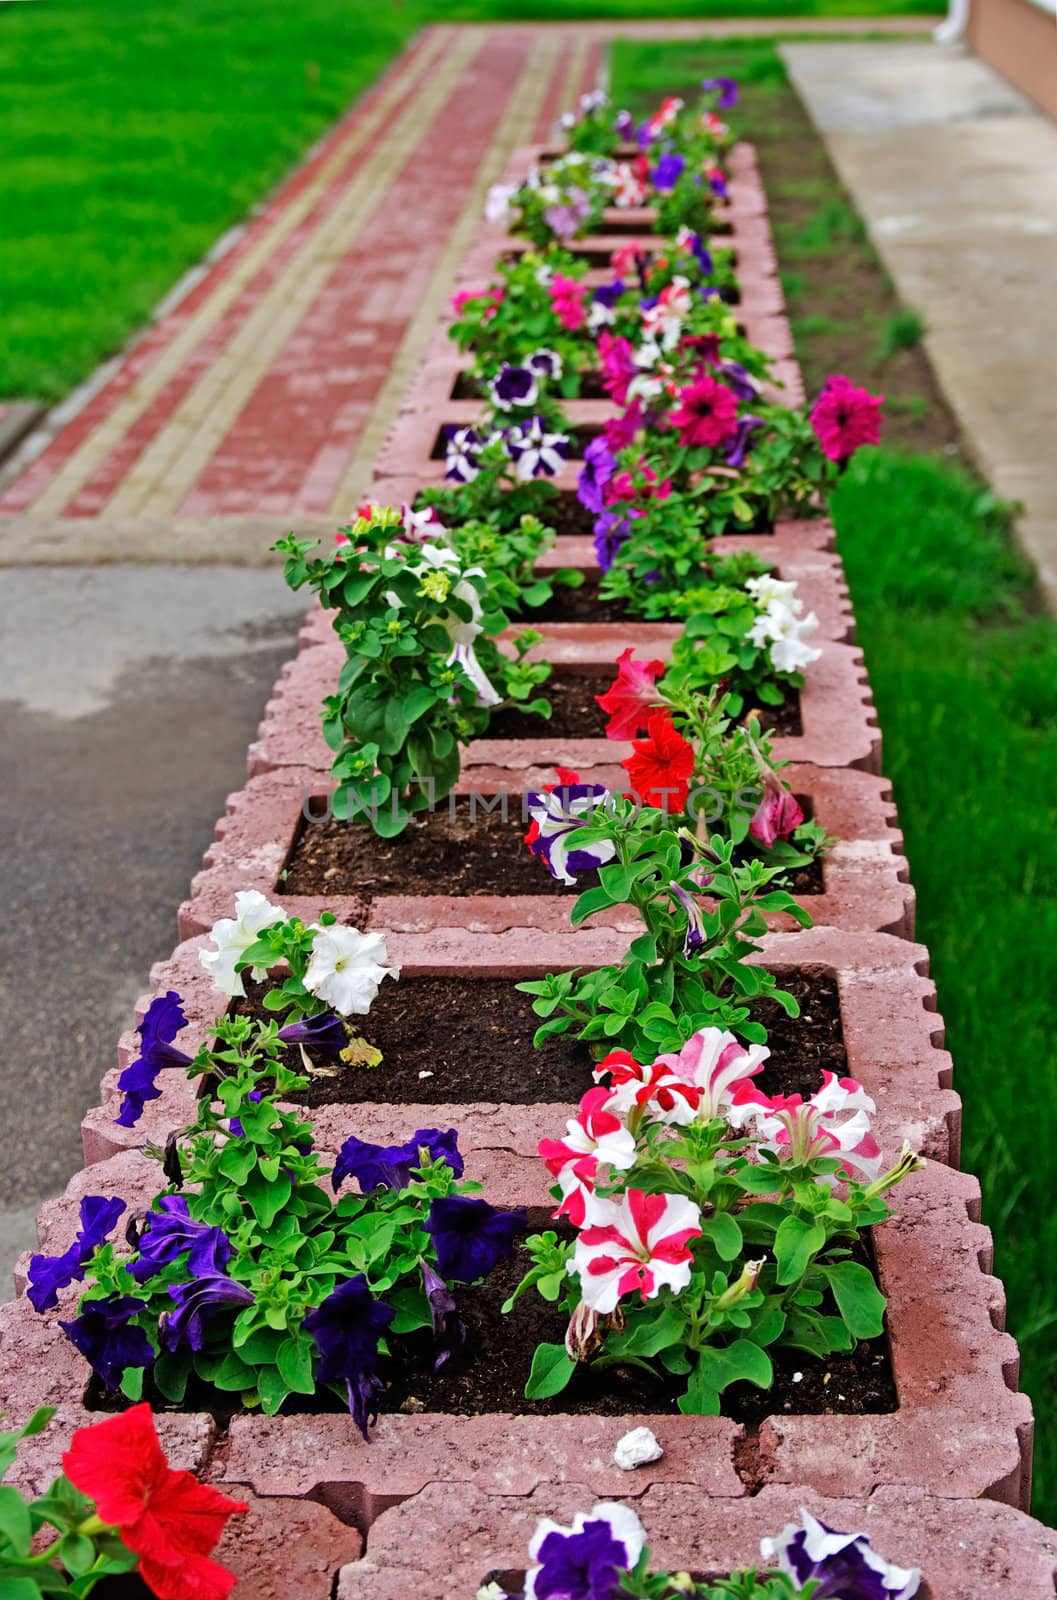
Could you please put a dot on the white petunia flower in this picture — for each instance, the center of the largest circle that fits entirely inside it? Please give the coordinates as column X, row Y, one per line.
column 497, row 205
column 233, row 937
column 347, row 968
column 768, row 588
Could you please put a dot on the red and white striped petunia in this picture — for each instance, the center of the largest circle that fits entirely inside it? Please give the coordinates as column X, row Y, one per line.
column 639, row 1242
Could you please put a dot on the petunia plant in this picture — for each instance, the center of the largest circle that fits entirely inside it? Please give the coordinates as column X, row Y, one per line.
column 727, row 766
column 423, row 672
column 246, row 1276
column 560, row 201
column 701, row 913
column 603, row 1555
column 117, row 1507
column 714, row 1222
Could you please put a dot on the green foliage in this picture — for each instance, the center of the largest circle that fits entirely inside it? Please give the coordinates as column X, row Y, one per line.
column 406, row 700
column 902, row 330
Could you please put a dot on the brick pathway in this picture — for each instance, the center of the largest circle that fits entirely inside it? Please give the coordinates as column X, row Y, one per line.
column 259, row 399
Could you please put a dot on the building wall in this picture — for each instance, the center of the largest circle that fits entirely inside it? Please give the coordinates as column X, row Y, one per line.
column 1019, row 39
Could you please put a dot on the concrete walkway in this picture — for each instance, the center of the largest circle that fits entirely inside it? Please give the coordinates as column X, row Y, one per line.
column 955, row 175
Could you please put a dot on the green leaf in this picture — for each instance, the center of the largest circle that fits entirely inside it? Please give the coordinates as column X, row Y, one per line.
column 725, row 1234
column 859, row 1300
column 795, row 1243
column 294, row 1360
column 649, row 1337
column 552, row 1367
column 272, row 1388
column 77, row 1553
column 16, row 1525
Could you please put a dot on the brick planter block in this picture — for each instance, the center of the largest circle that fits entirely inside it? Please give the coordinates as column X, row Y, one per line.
column 865, row 877
column 285, row 1549
column 892, row 1034
column 967, row 1549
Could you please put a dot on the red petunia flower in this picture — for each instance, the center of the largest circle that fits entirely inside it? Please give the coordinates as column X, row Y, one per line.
column 707, row 415
column 846, row 417
column 167, row 1518
column 663, row 765
column 632, row 696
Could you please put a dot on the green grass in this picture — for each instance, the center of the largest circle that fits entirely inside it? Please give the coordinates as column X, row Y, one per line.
column 135, row 132
column 964, row 670
column 901, row 330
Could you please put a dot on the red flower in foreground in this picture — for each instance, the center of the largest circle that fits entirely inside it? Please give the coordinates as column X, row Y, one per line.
column 632, row 696
column 167, row 1518
column 707, row 415
column 662, row 766
column 845, row 417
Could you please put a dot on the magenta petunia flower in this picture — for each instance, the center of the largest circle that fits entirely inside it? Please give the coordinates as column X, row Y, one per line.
column 707, row 414
column 846, row 417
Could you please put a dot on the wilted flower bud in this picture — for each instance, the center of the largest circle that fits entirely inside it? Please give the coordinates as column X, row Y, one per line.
column 582, row 1337
column 908, row 1162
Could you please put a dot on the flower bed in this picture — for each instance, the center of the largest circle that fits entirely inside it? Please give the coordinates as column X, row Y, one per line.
column 679, row 994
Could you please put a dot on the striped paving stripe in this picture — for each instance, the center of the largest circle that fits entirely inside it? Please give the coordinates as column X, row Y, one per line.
column 172, row 462
column 518, row 121
column 79, row 466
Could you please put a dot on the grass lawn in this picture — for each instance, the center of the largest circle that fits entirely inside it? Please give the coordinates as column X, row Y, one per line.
column 964, row 669
column 135, row 133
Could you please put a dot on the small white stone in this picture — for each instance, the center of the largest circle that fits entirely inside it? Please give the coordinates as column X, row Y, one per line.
column 425, row 1074
column 636, row 1449
column 798, row 1377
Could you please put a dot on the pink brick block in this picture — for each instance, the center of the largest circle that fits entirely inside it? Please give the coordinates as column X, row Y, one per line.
column 966, row 1549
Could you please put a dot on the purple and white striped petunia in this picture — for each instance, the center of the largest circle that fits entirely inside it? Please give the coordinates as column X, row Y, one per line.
column 545, row 364
column 558, row 816
column 463, row 448
column 535, row 452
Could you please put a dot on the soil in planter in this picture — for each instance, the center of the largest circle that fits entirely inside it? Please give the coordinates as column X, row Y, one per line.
column 455, row 850
column 860, row 1383
column 472, row 1038
column 465, row 1032
column 576, row 605
column 467, row 387
column 577, row 713
column 564, row 513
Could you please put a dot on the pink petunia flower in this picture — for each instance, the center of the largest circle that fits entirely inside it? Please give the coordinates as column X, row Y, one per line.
column 567, row 302
column 846, row 417
column 707, row 414
column 718, row 1065
column 633, row 1088
column 834, row 1122
column 594, row 1136
column 617, row 357
column 639, row 1242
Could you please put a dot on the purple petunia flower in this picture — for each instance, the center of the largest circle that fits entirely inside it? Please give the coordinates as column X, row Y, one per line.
column 842, row 1565
column 346, row 1329
column 736, row 378
column 194, row 1301
column 611, row 530
column 668, row 171
column 558, row 816
column 449, row 1331
column 105, row 1336
column 565, row 220
column 599, row 466
column 624, row 125
column 514, row 386
column 326, row 1032
column 49, row 1274
column 702, row 255
column 169, row 1231
column 728, row 91
column 471, row 1237
column 607, row 294
column 718, row 184
column 378, row 1166
column 586, row 1561
column 163, row 1021
column 739, row 444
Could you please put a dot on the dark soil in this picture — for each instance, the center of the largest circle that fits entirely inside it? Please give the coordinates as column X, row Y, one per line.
column 459, row 849
column 577, row 605
column 576, row 712
column 857, row 1383
column 473, row 1037
column 566, row 515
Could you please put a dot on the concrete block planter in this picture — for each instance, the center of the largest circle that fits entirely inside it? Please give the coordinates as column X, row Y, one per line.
column 893, row 1038
column 961, row 1430
column 836, row 709
column 967, row 1549
column 865, row 878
